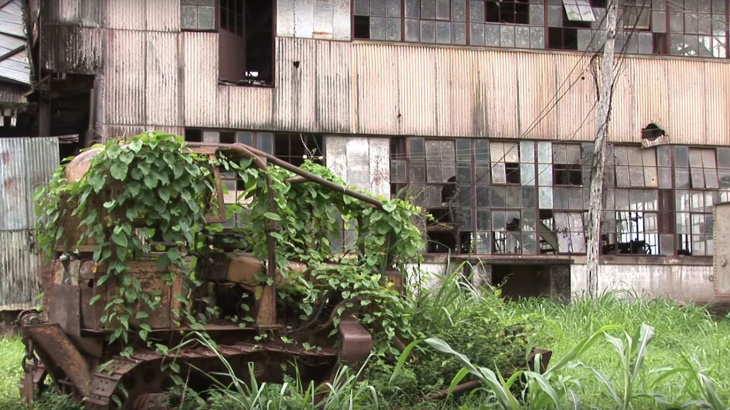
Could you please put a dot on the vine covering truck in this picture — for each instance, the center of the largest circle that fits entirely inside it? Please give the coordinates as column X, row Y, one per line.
column 126, row 314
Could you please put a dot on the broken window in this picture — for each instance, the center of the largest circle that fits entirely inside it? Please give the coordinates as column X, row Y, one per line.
column 378, row 19
column 632, row 223
column 567, row 168
column 578, row 10
column 703, row 168
column 296, row 148
column 508, row 11
column 505, row 162
column 197, row 15
column 562, row 232
column 697, row 28
column 245, row 42
column 635, row 166
column 636, row 14
column 694, row 221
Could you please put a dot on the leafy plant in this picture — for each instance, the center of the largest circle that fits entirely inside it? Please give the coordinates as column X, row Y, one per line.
column 151, row 188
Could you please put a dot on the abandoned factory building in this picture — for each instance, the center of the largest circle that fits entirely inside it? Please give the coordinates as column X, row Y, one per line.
column 483, row 111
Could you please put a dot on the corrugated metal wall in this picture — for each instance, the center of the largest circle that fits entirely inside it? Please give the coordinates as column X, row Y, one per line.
column 373, row 88
column 387, row 89
column 25, row 164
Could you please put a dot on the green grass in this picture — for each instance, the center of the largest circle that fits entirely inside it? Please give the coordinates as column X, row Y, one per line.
column 681, row 331
column 11, row 353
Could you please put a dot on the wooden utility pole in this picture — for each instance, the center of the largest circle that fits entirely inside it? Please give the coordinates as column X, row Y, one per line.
column 595, row 206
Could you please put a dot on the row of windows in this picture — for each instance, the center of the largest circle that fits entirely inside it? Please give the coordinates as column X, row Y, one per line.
column 531, row 197
column 528, row 197
column 673, row 27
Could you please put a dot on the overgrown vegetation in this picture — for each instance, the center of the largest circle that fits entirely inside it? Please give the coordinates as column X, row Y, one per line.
column 137, row 199
column 151, row 196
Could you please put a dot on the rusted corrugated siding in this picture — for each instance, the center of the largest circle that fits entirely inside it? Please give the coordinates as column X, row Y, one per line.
column 575, row 98
column 407, row 95
column 162, row 79
column 687, row 97
column 377, row 106
column 163, row 15
column 650, row 88
column 333, row 102
column 73, row 50
column 296, row 86
column 717, row 107
column 201, row 79
column 250, row 107
column 536, row 81
column 623, row 110
column 126, row 14
column 20, row 268
column 79, row 13
column 42, row 159
column 125, row 74
column 14, row 189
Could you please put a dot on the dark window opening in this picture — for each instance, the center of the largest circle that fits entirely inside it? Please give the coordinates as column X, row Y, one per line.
column 568, row 174
column 192, row 135
column 561, row 38
column 598, row 3
column 246, row 42
column 297, row 148
column 515, row 11
column 362, row 27
column 228, row 137
column 512, row 169
column 660, row 43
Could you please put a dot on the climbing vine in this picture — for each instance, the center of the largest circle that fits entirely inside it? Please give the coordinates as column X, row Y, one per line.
column 149, row 197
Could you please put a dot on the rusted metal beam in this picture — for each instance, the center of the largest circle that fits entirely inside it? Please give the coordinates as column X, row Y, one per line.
column 242, row 148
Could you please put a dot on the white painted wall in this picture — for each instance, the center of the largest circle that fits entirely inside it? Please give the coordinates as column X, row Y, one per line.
column 686, row 284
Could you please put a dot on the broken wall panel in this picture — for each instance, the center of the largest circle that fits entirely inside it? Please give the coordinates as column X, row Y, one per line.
column 125, row 69
column 650, row 85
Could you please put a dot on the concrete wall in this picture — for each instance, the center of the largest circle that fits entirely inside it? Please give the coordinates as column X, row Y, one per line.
column 686, row 284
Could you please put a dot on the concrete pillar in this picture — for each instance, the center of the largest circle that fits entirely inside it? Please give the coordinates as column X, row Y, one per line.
column 560, row 282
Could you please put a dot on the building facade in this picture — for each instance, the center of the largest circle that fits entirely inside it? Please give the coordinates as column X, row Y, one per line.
column 482, row 111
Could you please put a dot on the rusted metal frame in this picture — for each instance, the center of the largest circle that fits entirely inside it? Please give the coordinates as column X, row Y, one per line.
column 294, row 169
column 315, row 178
